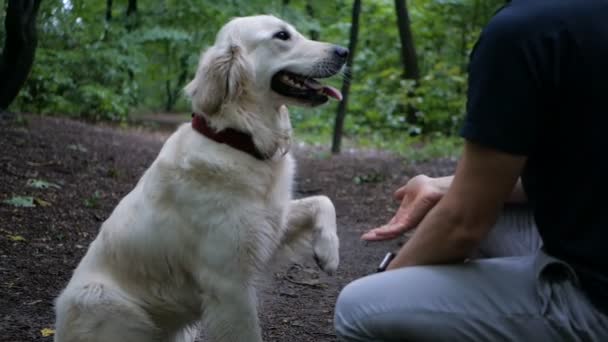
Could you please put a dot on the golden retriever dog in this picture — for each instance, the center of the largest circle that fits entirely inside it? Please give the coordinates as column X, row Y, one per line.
column 184, row 248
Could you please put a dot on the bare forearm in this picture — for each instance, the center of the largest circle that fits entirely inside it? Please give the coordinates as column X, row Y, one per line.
column 517, row 196
column 443, row 183
column 439, row 239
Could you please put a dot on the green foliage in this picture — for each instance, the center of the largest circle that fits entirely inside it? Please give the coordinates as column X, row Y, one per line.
column 444, row 33
column 96, row 69
column 84, row 67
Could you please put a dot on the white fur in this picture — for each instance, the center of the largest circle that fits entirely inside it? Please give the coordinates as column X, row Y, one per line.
column 185, row 245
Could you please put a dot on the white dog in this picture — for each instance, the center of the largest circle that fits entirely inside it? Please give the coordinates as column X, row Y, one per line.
column 185, row 245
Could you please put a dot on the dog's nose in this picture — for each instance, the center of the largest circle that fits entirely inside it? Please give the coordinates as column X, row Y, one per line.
column 341, row 52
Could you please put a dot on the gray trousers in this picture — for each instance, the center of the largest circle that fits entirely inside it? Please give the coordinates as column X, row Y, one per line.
column 512, row 292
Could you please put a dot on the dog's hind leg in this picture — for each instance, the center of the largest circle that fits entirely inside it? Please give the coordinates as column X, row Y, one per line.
column 98, row 313
column 311, row 225
column 232, row 316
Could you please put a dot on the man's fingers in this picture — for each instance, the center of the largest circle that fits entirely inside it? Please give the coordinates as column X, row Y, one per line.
column 400, row 193
column 372, row 236
column 386, row 232
column 392, row 229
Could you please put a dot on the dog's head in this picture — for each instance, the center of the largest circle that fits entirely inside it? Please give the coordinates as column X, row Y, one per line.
column 263, row 59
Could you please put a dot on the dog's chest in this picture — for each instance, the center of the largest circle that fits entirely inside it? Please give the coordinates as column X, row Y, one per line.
column 245, row 227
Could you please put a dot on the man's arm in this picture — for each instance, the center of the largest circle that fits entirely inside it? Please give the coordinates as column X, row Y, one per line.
column 484, row 180
column 518, row 195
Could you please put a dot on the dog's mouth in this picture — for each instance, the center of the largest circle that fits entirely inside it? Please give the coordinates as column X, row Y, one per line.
column 303, row 88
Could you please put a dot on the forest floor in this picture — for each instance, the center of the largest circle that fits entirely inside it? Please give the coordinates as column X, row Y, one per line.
column 73, row 174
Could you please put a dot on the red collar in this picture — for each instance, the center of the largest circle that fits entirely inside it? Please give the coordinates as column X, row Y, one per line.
column 231, row 137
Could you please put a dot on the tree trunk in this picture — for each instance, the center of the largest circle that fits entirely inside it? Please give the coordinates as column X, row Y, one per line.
column 131, row 15
column 470, row 26
column 19, row 48
column 284, row 7
column 131, row 23
column 108, row 11
column 409, row 57
column 408, row 49
column 310, row 10
column 132, row 8
column 106, row 30
column 341, row 113
column 173, row 93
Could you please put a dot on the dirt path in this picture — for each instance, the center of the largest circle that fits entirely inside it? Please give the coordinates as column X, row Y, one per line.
column 91, row 168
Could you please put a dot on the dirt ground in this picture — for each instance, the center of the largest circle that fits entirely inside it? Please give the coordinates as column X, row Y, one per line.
column 90, row 168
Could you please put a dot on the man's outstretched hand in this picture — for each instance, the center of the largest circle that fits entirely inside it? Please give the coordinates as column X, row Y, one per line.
column 418, row 196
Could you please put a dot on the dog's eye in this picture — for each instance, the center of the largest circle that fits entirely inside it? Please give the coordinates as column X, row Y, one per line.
column 282, row 35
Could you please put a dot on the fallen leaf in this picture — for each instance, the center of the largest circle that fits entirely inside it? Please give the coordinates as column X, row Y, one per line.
column 78, row 147
column 41, row 202
column 41, row 184
column 16, row 238
column 20, row 201
column 46, row 332
column 41, row 164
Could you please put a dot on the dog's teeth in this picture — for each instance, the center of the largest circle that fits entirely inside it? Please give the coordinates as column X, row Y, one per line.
column 294, row 82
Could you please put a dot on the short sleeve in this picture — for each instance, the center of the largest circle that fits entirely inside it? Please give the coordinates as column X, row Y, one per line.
column 504, row 100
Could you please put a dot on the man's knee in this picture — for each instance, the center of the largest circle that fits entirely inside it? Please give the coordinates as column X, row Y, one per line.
column 397, row 305
column 350, row 312
column 373, row 308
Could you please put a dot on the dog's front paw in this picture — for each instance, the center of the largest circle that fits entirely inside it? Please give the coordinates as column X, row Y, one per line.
column 326, row 251
column 326, row 244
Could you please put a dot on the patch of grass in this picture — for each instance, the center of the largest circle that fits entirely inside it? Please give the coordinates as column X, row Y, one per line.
column 419, row 148
column 368, row 178
column 93, row 201
column 433, row 148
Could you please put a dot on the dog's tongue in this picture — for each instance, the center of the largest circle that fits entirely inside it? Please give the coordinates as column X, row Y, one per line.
column 332, row 92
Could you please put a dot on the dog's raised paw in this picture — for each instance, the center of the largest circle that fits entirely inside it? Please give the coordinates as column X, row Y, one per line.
column 326, row 252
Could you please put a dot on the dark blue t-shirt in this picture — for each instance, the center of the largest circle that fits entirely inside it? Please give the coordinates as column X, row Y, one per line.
column 538, row 86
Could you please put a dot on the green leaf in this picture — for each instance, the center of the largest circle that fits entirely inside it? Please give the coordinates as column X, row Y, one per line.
column 20, row 201
column 78, row 147
column 41, row 184
column 16, row 238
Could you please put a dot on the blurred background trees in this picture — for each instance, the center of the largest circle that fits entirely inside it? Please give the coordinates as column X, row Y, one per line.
column 118, row 59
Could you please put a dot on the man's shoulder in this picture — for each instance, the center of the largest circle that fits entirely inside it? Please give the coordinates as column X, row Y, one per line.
column 529, row 18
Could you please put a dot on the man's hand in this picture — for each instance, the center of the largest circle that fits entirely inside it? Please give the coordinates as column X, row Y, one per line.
column 418, row 197
column 455, row 225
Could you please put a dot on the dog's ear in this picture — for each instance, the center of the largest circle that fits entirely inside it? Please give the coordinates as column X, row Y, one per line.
column 223, row 77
